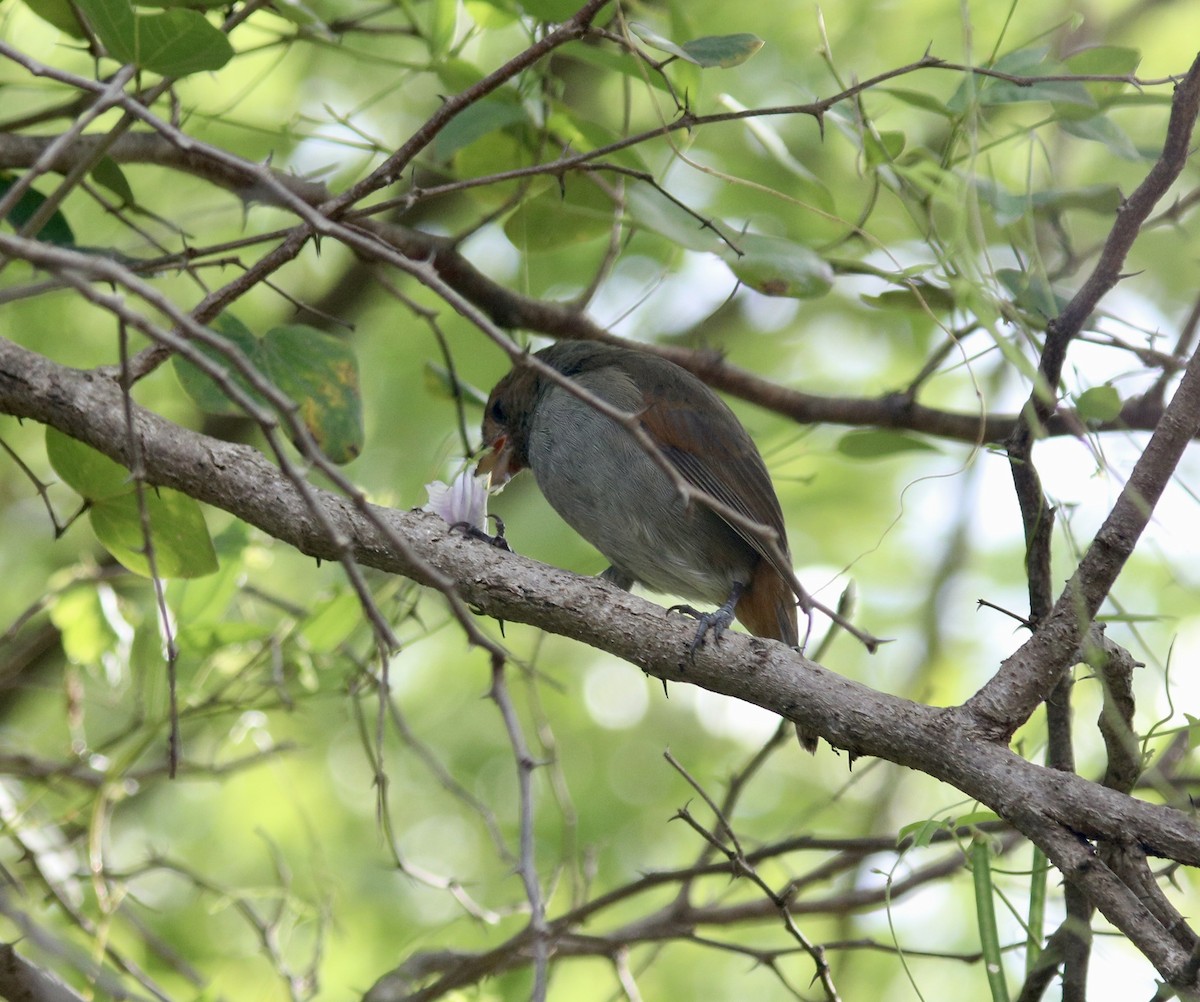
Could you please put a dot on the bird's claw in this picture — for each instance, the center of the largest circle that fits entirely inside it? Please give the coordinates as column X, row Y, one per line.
column 715, row 623
column 497, row 540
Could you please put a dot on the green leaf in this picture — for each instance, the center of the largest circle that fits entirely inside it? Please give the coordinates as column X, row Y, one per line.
column 457, row 74
column 191, row 4
column 1193, row 730
column 332, row 622
column 174, row 42
column 870, row 443
column 107, row 174
column 1009, row 208
column 1035, row 924
column 921, row 832
column 985, row 912
column 500, row 152
column 884, row 148
column 56, row 229
column 474, row 122
column 491, row 14
column 443, row 20
column 1033, row 62
column 1098, row 404
column 551, row 10
column 1023, row 62
column 320, row 374
column 804, row 185
column 722, row 50
column 1105, row 60
column 1103, row 199
column 209, row 397
column 557, row 218
column 919, row 296
column 1101, row 129
column 89, row 473
column 918, row 99
column 59, row 13
column 776, row 266
column 711, row 50
column 182, row 545
column 613, row 61
column 648, row 210
column 205, row 601
column 86, row 633
column 178, row 42
column 296, row 11
column 688, row 78
column 1057, row 91
column 1006, row 206
column 571, row 130
column 974, row 818
column 657, row 41
column 205, row 639
column 317, row 372
column 113, row 23
column 1032, row 293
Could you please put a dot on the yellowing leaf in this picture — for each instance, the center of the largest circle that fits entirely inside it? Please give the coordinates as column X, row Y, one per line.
column 320, row 373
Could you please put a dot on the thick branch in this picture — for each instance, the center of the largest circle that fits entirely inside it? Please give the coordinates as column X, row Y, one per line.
column 21, row 980
column 1027, row 677
column 944, row 743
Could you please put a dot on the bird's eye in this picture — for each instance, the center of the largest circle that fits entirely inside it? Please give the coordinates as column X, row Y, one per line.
column 496, row 412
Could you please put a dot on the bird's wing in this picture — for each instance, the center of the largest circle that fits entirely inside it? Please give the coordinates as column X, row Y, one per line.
column 714, row 453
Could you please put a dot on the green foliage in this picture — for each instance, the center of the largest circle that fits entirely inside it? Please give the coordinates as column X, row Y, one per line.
column 209, row 396
column 55, row 230
column 316, row 372
column 864, row 444
column 778, row 267
column 107, row 173
column 1098, row 403
column 320, row 374
column 713, row 50
column 340, row 811
column 560, row 216
column 175, row 42
column 179, row 540
column 985, row 912
column 476, row 122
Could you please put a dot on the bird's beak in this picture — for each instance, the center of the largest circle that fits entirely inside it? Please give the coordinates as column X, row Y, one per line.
column 497, row 465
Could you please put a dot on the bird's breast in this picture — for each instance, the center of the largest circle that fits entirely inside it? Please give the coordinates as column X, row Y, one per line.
column 605, row 486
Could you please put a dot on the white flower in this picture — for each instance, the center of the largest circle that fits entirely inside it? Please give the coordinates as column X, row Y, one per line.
column 465, row 500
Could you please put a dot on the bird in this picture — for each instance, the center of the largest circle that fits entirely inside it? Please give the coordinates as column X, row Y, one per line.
column 604, row 483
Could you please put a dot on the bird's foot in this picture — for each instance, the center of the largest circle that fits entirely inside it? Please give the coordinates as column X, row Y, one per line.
column 497, row 540
column 716, row 623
